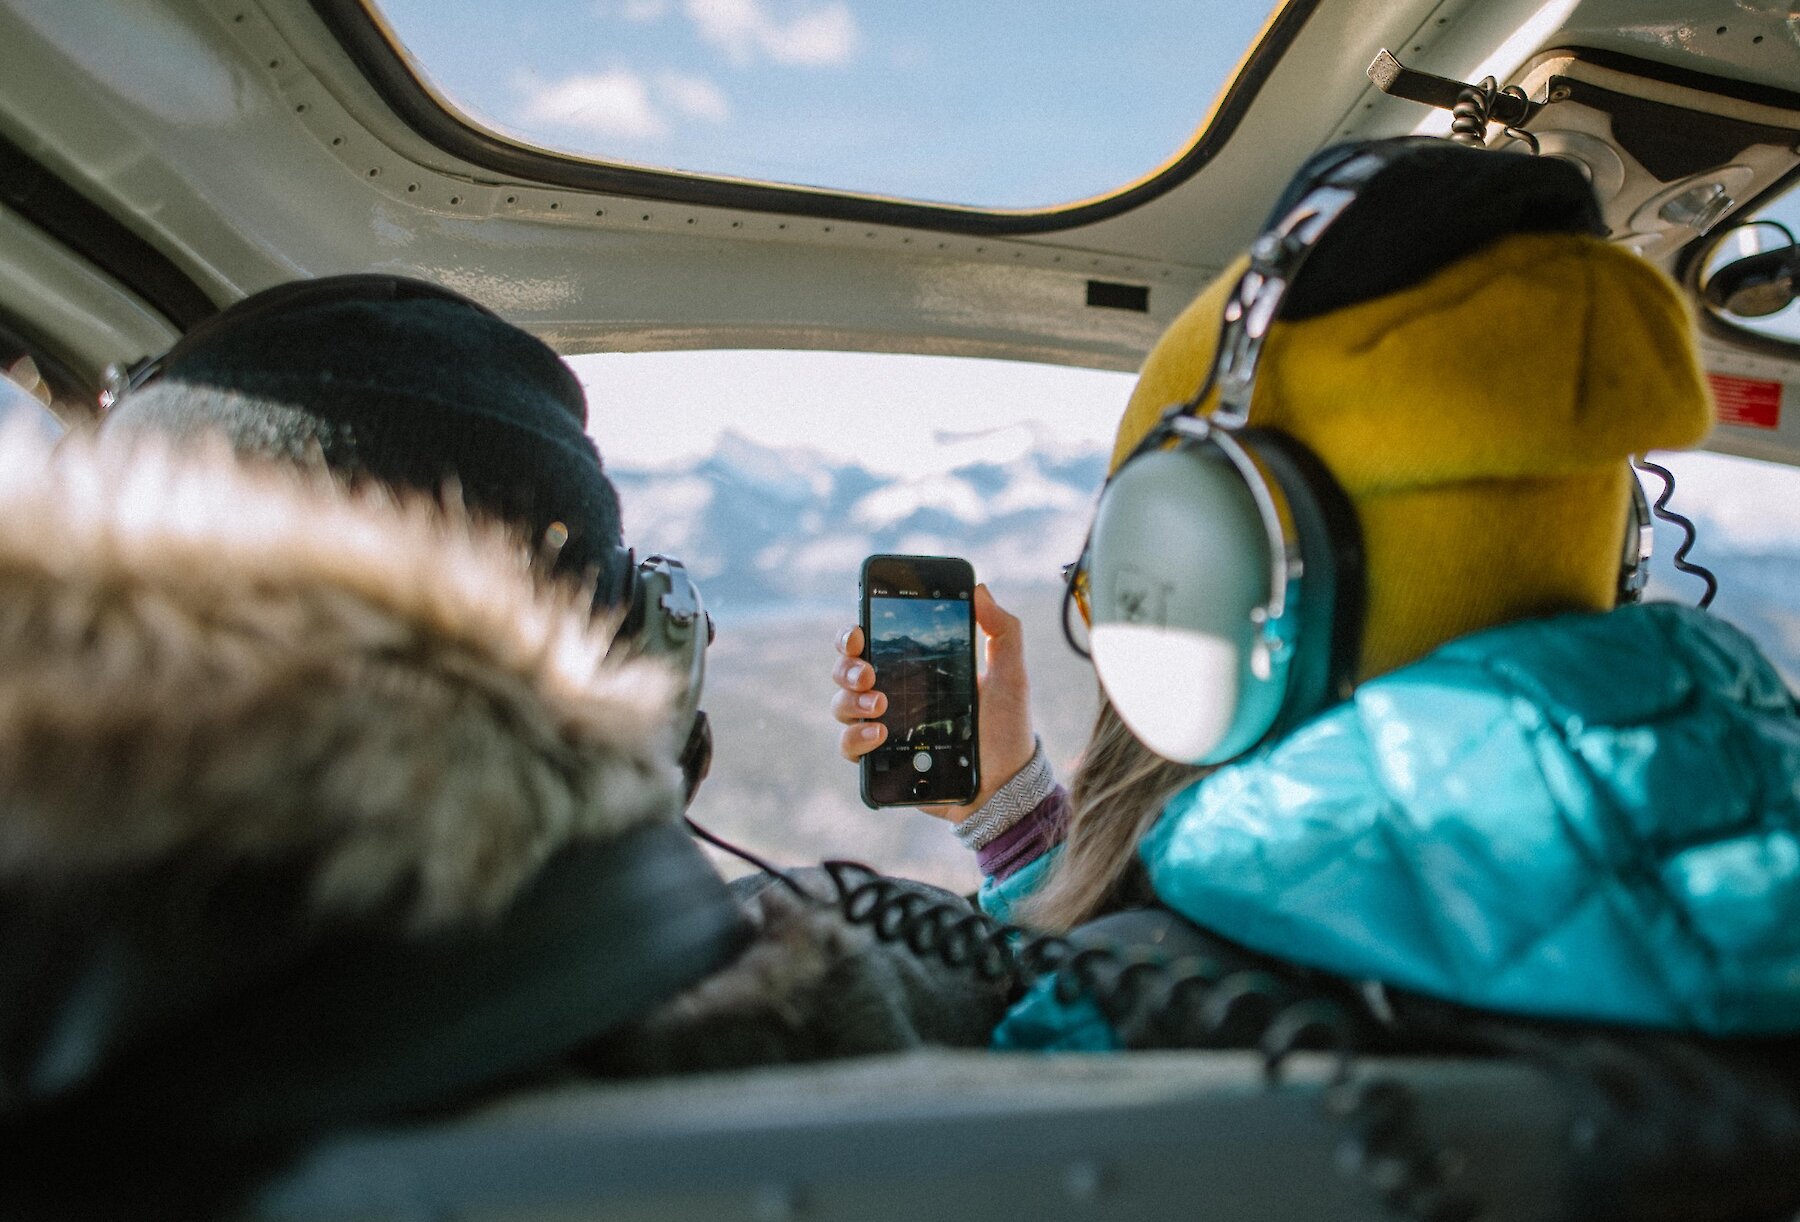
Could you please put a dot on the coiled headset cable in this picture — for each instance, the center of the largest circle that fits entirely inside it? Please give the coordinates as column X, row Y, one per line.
column 1191, row 1003
column 1474, row 110
column 1666, row 1125
column 1660, row 509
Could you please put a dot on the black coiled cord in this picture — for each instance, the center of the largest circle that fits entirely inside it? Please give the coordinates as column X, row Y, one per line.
column 1660, row 508
column 1474, row 110
column 1193, row 1003
column 1667, row 1126
column 1469, row 116
column 959, row 936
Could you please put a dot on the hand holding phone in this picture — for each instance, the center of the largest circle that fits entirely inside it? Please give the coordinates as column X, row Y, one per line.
column 1003, row 734
column 918, row 622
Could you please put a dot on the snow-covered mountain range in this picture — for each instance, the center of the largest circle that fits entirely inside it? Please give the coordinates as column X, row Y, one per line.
column 769, row 531
column 761, row 528
column 776, row 537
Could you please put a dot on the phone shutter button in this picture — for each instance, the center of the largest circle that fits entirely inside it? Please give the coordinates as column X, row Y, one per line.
column 922, row 762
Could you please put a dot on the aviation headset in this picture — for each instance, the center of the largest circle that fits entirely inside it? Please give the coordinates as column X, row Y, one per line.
column 663, row 614
column 1223, row 576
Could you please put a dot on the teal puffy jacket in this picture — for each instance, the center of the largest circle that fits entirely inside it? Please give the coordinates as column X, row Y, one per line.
column 1589, row 817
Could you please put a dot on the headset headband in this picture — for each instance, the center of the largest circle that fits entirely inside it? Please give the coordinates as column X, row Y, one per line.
column 1255, row 302
column 1276, row 258
column 1301, row 644
column 1250, row 311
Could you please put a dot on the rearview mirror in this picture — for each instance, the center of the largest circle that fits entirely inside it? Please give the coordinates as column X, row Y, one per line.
column 1756, row 285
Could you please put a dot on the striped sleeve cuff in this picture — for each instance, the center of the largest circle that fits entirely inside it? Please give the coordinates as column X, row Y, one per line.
column 1011, row 802
column 1041, row 830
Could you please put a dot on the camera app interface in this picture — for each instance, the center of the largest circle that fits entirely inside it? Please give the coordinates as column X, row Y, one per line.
column 924, row 660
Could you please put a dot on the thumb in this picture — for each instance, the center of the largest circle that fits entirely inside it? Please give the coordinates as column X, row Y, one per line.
column 1006, row 640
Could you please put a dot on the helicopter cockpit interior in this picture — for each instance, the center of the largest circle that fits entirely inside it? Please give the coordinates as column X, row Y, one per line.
column 839, row 280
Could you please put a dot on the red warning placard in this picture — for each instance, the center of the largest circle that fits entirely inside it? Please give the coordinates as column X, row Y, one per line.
column 1749, row 402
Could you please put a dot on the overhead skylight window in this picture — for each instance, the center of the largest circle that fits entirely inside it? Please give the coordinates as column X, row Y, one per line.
column 1005, row 106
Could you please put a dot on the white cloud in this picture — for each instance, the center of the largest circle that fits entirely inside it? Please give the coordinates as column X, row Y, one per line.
column 614, row 104
column 731, row 24
column 745, row 29
column 694, row 96
column 830, row 554
column 668, row 510
column 620, row 104
column 826, row 36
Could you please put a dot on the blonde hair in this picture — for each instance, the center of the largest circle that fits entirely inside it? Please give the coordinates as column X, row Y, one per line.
column 1119, row 789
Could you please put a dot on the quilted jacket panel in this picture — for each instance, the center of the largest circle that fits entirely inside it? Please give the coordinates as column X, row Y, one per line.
column 1591, row 817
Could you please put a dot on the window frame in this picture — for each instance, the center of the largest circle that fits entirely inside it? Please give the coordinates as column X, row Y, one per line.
column 376, row 53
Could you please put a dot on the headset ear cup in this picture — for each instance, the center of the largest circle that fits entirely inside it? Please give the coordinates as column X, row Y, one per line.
column 624, row 596
column 1185, row 578
column 1332, row 587
column 1181, row 562
column 665, row 618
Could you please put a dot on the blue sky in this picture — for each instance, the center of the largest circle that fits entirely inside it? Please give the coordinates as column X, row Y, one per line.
column 1007, row 104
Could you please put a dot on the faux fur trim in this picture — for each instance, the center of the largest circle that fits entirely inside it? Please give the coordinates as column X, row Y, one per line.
column 811, row 986
column 204, row 659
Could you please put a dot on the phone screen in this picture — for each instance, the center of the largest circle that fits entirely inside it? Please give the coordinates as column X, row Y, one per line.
column 919, row 619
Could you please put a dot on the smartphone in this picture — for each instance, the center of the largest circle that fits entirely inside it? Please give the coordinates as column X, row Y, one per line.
column 918, row 622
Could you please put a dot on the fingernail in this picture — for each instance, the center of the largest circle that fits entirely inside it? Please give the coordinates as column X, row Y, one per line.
column 866, row 702
column 844, row 640
column 855, row 673
column 869, row 732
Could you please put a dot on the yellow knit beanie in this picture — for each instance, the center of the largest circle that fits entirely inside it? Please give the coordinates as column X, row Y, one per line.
column 1480, row 421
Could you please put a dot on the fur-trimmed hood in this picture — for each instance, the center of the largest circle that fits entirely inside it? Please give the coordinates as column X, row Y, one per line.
column 248, row 718
column 197, row 654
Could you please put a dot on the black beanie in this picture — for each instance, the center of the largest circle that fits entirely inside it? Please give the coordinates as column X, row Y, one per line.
column 402, row 382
